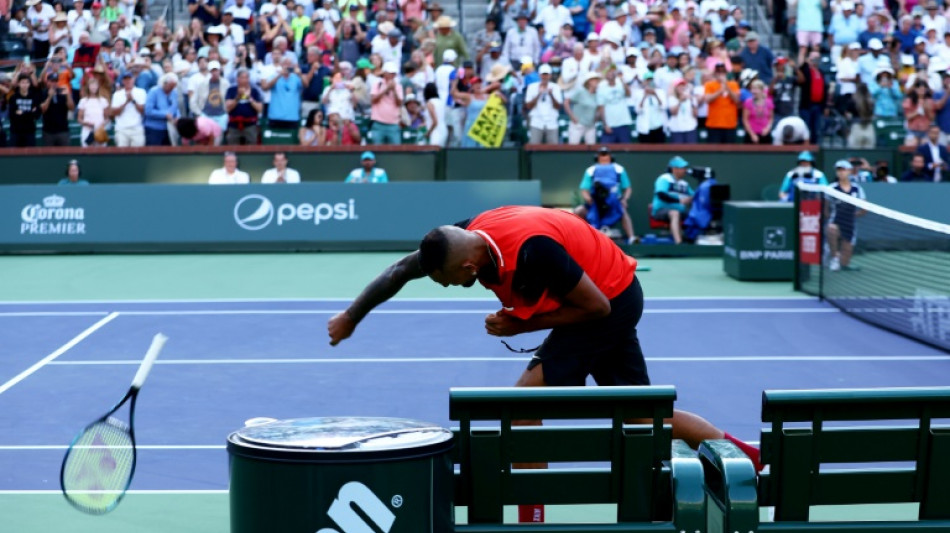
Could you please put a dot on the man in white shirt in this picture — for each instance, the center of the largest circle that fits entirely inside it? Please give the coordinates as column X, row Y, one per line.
column 522, row 40
column 933, row 19
column 612, row 96
column 389, row 46
column 280, row 173
column 127, row 110
column 79, row 20
column 543, row 100
column 443, row 75
column 229, row 174
column 553, row 17
column 39, row 16
column 241, row 13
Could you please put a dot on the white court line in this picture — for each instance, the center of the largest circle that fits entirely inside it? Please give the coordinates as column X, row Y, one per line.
column 406, row 299
column 59, row 351
column 224, row 312
column 18, row 447
column 513, row 359
column 132, row 491
column 52, row 313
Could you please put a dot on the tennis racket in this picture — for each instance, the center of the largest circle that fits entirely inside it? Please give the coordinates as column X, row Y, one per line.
column 99, row 464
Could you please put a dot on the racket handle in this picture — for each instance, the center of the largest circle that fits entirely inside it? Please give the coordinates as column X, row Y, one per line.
column 157, row 343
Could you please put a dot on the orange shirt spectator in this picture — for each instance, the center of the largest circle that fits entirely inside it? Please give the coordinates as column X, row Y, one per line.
column 723, row 111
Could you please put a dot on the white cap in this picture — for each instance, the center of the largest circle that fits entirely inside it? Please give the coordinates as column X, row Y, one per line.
column 544, row 69
column 214, row 65
column 847, row 6
column 854, row 46
column 875, row 44
column 449, row 56
column 920, row 40
column 390, row 67
column 592, row 37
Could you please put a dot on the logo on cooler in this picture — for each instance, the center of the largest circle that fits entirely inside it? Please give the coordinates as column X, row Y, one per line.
column 52, row 217
column 355, row 495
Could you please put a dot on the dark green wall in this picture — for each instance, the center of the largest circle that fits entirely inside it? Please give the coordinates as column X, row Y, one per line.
column 195, row 168
column 479, row 164
column 925, row 200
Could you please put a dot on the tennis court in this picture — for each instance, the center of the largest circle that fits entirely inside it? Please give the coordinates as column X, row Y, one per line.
column 248, row 339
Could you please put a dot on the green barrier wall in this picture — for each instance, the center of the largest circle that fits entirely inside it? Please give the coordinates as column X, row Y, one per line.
column 196, row 167
column 925, row 200
column 478, row 164
column 309, row 216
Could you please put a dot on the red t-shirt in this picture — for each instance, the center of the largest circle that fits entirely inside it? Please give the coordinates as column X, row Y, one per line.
column 507, row 228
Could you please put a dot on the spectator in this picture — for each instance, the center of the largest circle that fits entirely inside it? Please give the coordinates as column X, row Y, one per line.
column 447, row 38
column 664, row 76
column 313, row 133
column 935, row 154
column 814, row 94
column 24, row 108
column 161, row 110
column 280, row 173
column 684, row 109
column 757, row 115
column 229, row 174
column 844, row 29
column 389, row 46
column 18, row 28
column 581, row 107
column 847, row 77
column 39, row 18
column 605, row 189
column 313, row 72
column 551, row 19
column 543, row 100
column 283, row 112
column 93, row 111
column 127, row 111
column 920, row 112
column 917, row 170
column 436, row 128
column 387, row 97
column 612, row 108
column 861, row 171
column 473, row 102
column 886, row 94
column 522, row 40
column 651, row 112
column 872, row 31
column 941, row 98
column 368, row 172
column 201, row 130
column 841, row 232
column 882, row 173
column 809, row 25
column 782, row 90
column 244, row 104
column 862, row 134
column 205, row 11
column 562, row 46
column 872, row 62
column 341, row 131
column 73, row 174
column 906, row 35
column 758, row 57
column 790, row 131
column 209, row 97
column 672, row 197
column 56, row 109
column 723, row 99
column 578, row 9
column 339, row 97
column 805, row 172
column 571, row 71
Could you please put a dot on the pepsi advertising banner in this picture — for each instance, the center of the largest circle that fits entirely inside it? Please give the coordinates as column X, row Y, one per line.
column 306, row 216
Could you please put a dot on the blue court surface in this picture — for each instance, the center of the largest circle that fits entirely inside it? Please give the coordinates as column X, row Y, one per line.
column 64, row 364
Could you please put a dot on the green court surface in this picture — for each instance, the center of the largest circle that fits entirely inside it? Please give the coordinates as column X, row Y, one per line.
column 311, row 275
column 253, row 276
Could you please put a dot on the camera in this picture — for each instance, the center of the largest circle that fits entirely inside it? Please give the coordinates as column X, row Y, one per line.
column 702, row 173
column 805, row 175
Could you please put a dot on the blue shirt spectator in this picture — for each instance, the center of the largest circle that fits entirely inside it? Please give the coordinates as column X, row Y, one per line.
column 285, row 94
column 845, row 27
column 887, row 96
column 907, row 36
column 758, row 57
column 581, row 24
column 943, row 113
column 368, row 172
column 146, row 78
column 870, row 63
column 161, row 101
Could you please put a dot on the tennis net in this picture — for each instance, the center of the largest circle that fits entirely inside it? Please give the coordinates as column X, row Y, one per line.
column 887, row 268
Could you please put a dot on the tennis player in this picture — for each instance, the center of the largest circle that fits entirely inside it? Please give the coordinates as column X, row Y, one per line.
column 551, row 270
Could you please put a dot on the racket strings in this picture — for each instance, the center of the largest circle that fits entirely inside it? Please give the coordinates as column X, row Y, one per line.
column 99, row 466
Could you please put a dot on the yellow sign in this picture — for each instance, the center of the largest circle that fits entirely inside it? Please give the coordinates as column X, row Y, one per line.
column 490, row 126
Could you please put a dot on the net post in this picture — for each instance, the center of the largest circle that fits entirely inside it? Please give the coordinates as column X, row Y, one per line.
column 821, row 250
column 797, row 239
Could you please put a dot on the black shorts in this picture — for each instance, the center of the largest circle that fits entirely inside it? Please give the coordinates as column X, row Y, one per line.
column 606, row 348
column 846, row 229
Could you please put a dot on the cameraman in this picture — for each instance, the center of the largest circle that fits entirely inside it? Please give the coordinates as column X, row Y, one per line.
column 804, row 172
column 55, row 110
column 672, row 197
column 605, row 189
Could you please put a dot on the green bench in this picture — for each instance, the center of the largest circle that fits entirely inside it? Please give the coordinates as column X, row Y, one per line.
column 897, row 454
column 654, row 481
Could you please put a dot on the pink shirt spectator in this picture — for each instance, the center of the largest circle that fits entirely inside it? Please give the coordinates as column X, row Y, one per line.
column 386, row 110
column 759, row 115
column 411, row 8
column 208, row 131
column 674, row 30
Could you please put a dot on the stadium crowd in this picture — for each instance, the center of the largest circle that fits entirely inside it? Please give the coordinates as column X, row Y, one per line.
column 350, row 72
